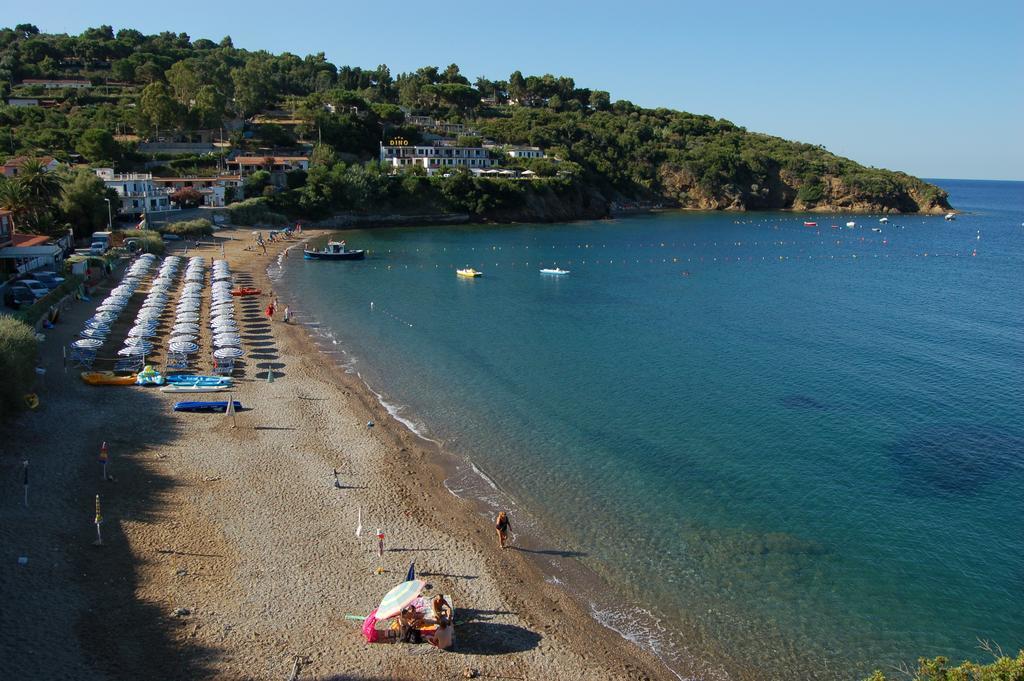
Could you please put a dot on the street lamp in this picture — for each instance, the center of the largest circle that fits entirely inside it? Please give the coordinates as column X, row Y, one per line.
column 110, row 219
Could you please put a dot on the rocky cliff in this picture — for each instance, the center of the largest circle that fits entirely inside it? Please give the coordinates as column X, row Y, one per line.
column 868, row 191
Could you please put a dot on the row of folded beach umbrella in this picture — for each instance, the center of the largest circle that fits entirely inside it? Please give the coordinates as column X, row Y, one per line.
column 139, row 342
column 184, row 339
column 226, row 341
column 96, row 329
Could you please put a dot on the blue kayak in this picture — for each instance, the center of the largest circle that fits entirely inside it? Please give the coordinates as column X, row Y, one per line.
column 205, row 407
column 189, row 379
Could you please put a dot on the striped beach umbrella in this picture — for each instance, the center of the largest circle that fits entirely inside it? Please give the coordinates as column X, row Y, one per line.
column 399, row 597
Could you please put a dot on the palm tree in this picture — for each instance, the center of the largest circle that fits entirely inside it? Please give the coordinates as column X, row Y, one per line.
column 42, row 186
column 14, row 198
column 41, row 190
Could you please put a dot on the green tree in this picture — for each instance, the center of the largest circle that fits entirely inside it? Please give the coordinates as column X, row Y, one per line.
column 15, row 198
column 156, row 106
column 43, row 189
column 149, row 72
column 184, row 80
column 82, row 204
column 252, row 86
column 256, row 183
column 516, row 86
column 97, row 144
column 209, row 106
column 600, row 100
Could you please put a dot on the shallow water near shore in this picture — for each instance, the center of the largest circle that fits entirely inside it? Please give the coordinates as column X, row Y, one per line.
column 797, row 445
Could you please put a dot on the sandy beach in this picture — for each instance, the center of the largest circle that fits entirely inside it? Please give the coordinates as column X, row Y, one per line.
column 229, row 552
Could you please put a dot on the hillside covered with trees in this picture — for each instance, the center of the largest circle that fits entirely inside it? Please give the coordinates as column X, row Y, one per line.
column 599, row 151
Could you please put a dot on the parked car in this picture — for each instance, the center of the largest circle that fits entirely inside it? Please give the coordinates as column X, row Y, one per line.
column 49, row 279
column 18, row 296
column 37, row 288
column 98, row 248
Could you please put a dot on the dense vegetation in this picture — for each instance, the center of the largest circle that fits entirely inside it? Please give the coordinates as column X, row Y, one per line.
column 1003, row 668
column 149, row 86
column 18, row 352
column 47, row 202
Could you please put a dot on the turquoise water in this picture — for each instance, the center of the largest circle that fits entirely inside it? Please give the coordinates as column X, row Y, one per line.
column 800, row 446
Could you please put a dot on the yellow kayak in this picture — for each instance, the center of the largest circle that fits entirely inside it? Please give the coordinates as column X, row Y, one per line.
column 468, row 273
column 107, row 378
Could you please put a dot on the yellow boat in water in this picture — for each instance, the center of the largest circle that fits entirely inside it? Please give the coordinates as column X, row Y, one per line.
column 469, row 273
column 107, row 378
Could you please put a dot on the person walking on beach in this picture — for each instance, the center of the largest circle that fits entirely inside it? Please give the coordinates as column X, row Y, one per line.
column 270, row 312
column 501, row 526
column 287, row 314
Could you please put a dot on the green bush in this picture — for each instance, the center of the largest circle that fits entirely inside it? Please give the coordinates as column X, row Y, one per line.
column 253, row 211
column 200, row 227
column 811, row 193
column 18, row 353
column 1003, row 668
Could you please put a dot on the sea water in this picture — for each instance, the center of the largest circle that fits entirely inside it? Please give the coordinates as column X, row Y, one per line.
column 790, row 450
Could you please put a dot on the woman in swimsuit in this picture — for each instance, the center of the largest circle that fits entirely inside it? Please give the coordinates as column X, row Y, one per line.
column 501, row 526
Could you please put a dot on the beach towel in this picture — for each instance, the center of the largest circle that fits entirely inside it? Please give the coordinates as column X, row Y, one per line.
column 370, row 627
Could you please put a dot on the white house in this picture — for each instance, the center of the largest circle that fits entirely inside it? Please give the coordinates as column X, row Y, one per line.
column 213, row 189
column 12, row 166
column 526, row 152
column 22, row 101
column 48, row 84
column 247, row 165
column 398, row 153
column 137, row 191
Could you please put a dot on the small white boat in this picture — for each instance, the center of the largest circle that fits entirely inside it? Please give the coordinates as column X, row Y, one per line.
column 554, row 270
column 876, row 229
column 851, row 223
column 883, row 220
column 951, row 216
column 195, row 388
column 469, row 273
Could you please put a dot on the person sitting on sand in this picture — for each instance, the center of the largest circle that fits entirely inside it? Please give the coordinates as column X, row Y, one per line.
column 501, row 526
column 409, row 621
column 440, row 608
column 444, row 634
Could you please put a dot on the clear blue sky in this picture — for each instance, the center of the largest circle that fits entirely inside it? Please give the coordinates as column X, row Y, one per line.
column 932, row 88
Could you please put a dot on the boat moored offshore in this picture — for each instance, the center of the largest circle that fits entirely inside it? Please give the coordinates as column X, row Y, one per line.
column 335, row 250
column 469, row 273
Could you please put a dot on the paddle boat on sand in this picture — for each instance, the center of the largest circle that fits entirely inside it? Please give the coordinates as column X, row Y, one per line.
column 468, row 273
column 195, row 388
column 206, row 407
column 246, row 291
column 335, row 250
column 196, row 379
column 149, row 376
column 107, row 378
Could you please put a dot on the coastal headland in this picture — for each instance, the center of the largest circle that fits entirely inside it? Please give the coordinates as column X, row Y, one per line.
column 230, row 553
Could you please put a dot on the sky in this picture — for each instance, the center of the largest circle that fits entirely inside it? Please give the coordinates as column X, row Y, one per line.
column 935, row 89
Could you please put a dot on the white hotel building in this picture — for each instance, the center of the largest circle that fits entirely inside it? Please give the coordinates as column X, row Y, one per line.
column 398, row 154
column 137, row 192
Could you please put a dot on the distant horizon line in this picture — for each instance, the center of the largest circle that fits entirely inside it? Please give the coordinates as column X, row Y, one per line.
column 968, row 179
